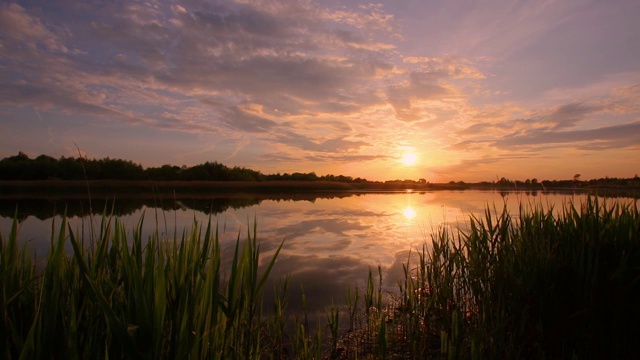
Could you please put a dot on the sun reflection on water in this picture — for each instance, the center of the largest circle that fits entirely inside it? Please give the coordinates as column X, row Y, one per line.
column 409, row 213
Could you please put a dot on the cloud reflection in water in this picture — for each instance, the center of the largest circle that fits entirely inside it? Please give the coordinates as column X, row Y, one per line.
column 331, row 243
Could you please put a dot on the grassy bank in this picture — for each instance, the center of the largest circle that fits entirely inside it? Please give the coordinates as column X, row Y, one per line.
column 529, row 285
column 532, row 285
column 116, row 297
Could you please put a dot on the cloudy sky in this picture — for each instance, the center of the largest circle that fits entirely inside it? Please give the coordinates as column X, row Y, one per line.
column 474, row 89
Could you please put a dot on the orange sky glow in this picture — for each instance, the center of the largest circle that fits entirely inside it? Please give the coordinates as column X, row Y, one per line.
column 440, row 90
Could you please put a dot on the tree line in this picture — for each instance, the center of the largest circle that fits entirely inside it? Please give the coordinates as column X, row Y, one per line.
column 43, row 167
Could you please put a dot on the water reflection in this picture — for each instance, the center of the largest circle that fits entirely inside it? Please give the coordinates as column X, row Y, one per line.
column 125, row 204
column 409, row 213
column 331, row 241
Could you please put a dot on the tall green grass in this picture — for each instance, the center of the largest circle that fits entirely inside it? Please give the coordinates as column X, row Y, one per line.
column 543, row 283
column 118, row 297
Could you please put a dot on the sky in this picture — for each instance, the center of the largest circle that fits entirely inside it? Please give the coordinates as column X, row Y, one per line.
column 445, row 90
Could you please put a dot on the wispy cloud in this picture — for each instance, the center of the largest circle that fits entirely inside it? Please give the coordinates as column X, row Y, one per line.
column 305, row 82
column 618, row 136
column 585, row 124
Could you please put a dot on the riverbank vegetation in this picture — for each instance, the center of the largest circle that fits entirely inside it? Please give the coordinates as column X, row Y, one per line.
column 544, row 283
column 69, row 172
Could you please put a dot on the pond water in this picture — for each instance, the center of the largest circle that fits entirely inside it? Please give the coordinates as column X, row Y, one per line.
column 330, row 240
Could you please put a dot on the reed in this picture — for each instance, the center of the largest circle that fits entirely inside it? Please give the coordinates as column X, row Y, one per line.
column 120, row 297
column 543, row 283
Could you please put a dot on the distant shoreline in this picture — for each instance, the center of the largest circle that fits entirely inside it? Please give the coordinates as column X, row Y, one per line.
column 159, row 187
column 102, row 188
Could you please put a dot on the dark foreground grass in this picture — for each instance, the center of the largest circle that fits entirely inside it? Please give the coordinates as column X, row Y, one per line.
column 117, row 298
column 539, row 284
column 534, row 285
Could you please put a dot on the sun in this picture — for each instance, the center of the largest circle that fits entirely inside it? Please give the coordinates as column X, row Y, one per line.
column 409, row 159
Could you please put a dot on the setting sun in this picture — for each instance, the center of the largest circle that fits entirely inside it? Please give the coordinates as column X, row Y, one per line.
column 409, row 159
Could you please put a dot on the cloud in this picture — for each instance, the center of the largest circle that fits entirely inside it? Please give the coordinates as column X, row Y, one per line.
column 617, row 136
column 505, row 27
column 239, row 145
column 305, row 81
column 445, row 67
column 592, row 123
column 251, row 67
column 349, row 158
column 334, row 226
column 22, row 32
column 240, row 119
column 569, row 115
column 278, row 157
column 404, row 98
column 319, row 59
column 46, row 97
column 482, row 128
column 370, row 18
column 334, row 145
column 323, row 157
column 464, row 166
column 623, row 136
column 429, row 86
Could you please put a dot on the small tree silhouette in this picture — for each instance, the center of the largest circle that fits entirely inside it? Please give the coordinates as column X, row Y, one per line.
column 576, row 179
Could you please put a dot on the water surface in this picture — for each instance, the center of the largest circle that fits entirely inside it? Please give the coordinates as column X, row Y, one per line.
column 331, row 241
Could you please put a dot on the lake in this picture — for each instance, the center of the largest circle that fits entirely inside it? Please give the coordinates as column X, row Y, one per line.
column 331, row 240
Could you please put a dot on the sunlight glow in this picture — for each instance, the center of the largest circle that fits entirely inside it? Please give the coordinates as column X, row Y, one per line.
column 409, row 213
column 409, row 159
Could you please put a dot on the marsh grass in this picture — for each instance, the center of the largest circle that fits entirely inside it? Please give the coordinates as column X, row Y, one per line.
column 544, row 283
column 127, row 297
